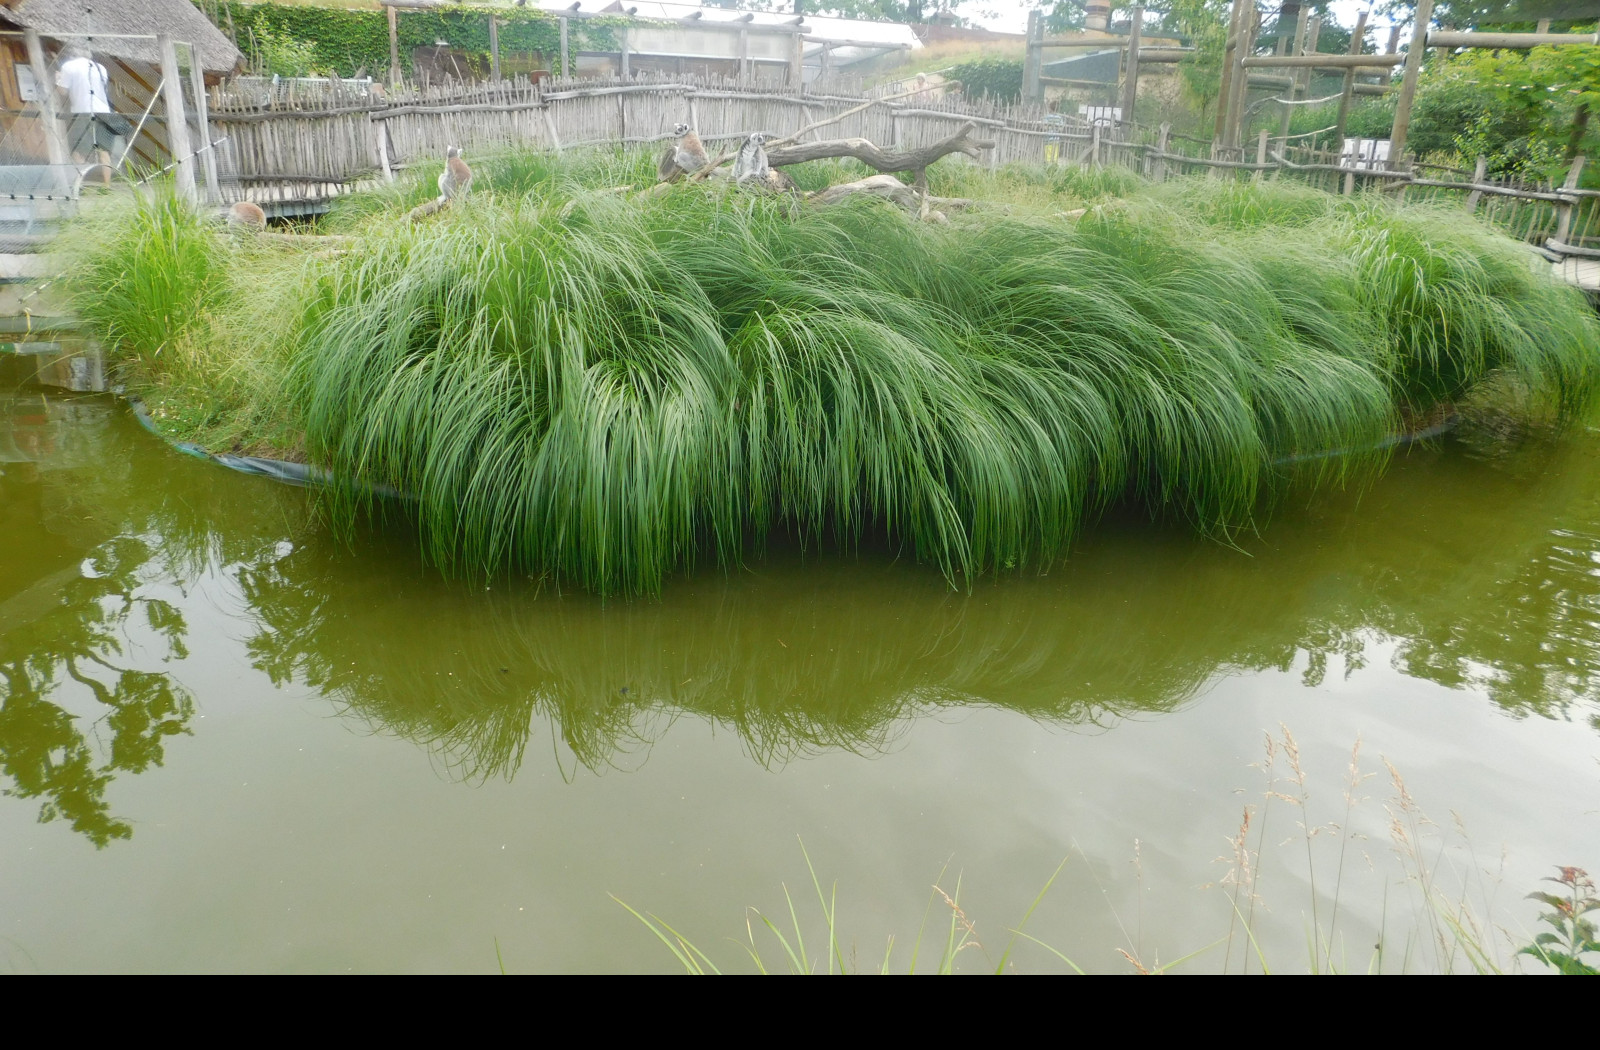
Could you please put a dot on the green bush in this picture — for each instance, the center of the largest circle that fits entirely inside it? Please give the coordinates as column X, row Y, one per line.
column 999, row 80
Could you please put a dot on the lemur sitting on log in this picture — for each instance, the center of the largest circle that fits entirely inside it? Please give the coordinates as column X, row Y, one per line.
column 751, row 166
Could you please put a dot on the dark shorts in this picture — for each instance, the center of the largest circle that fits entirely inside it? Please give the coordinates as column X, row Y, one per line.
column 96, row 131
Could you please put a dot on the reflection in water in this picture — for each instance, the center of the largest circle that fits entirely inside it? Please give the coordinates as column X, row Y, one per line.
column 1483, row 570
column 1453, row 557
column 93, row 540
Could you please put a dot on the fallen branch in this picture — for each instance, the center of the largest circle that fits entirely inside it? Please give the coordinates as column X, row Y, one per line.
column 423, row 210
column 882, row 159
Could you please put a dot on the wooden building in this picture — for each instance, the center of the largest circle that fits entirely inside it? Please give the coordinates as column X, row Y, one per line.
column 122, row 37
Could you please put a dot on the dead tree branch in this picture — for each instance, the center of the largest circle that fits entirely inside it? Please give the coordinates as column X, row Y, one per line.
column 875, row 157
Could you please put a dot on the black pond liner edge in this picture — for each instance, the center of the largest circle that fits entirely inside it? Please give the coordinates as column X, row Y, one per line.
column 302, row 474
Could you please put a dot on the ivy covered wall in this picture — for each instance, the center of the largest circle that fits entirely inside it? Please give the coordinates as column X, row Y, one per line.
column 296, row 40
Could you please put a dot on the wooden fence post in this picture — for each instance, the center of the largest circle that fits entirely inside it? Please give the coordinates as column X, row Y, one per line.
column 797, row 58
column 394, row 46
column 622, row 38
column 1130, row 79
column 1249, row 26
column 1261, row 151
column 1408, row 85
column 208, row 155
column 1225, row 85
column 566, row 70
column 177, row 123
column 1565, row 210
column 55, row 143
column 1347, row 96
column 1033, row 59
column 494, row 48
column 1479, row 172
column 380, row 148
column 1159, row 170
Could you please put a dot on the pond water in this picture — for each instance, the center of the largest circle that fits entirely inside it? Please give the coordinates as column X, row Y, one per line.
column 230, row 742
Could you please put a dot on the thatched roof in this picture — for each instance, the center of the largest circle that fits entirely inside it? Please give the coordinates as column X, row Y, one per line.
column 69, row 19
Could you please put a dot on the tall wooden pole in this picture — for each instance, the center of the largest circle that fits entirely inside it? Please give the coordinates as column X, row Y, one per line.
column 1225, row 85
column 1294, row 77
column 202, row 119
column 1032, row 88
column 1357, row 37
column 566, row 67
column 394, row 47
column 1249, row 27
column 1130, row 81
column 494, row 48
column 55, row 144
column 1408, row 84
column 177, row 123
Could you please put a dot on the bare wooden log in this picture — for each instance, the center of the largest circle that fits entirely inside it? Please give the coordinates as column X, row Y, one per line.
column 882, row 159
column 422, row 211
column 886, row 186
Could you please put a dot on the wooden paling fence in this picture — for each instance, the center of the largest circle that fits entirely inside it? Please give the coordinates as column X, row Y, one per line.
column 307, row 141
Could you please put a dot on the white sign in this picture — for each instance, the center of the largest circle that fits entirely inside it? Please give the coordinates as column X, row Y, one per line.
column 27, row 87
column 1365, row 154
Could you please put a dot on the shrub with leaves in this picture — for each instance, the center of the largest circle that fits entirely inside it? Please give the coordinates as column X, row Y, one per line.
column 1574, row 936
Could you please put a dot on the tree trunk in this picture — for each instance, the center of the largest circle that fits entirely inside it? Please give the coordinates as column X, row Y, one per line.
column 1580, row 125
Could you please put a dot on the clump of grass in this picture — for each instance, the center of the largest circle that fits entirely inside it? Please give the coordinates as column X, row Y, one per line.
column 145, row 273
column 945, row 941
column 601, row 387
column 198, row 319
column 605, row 388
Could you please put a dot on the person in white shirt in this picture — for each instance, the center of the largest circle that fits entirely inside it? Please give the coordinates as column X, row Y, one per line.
column 95, row 126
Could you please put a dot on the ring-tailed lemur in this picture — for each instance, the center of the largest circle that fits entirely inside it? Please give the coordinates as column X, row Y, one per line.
column 456, row 178
column 688, row 155
column 751, row 163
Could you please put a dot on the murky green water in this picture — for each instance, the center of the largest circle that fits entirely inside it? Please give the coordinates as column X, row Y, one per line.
column 229, row 743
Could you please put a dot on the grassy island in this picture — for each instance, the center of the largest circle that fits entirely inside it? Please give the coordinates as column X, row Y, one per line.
column 605, row 386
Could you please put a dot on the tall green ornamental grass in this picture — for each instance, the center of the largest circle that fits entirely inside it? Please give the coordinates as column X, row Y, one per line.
column 144, row 272
column 602, row 387
column 605, row 387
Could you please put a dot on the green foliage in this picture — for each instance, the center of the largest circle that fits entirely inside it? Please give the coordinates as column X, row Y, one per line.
column 275, row 52
column 606, row 388
column 1517, row 108
column 145, row 275
column 1369, row 118
column 1205, row 24
column 1574, row 935
column 603, row 388
column 339, row 40
column 994, row 78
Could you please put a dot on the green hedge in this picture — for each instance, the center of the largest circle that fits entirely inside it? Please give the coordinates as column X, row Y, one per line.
column 999, row 79
column 332, row 40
